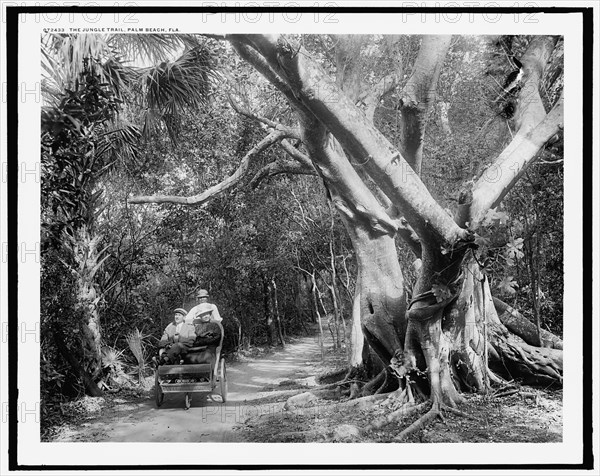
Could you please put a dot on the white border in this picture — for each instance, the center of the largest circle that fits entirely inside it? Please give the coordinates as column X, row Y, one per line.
column 33, row 452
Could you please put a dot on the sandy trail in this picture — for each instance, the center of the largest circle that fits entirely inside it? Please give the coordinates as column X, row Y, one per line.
column 208, row 420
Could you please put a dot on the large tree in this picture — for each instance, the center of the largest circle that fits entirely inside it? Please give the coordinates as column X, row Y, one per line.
column 448, row 336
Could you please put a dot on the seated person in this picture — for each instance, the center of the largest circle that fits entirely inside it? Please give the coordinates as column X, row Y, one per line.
column 176, row 340
column 208, row 336
column 202, row 298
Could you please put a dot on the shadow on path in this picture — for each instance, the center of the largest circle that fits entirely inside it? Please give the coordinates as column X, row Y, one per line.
column 208, row 420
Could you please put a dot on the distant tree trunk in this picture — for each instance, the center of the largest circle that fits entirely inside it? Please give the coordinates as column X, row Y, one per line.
column 304, row 300
column 318, row 314
column 276, row 308
column 270, row 325
column 444, row 108
column 340, row 324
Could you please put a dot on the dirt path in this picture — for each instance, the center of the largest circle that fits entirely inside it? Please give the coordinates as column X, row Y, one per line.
column 207, row 420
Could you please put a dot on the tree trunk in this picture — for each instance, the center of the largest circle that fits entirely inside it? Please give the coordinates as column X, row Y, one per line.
column 269, row 321
column 91, row 336
column 88, row 382
column 276, row 308
column 318, row 314
column 380, row 297
column 450, row 337
column 522, row 327
column 357, row 336
column 87, row 261
column 419, row 95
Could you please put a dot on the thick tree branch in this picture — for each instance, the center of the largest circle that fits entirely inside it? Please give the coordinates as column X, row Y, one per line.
column 534, row 129
column 418, row 96
column 511, row 164
column 271, row 71
column 382, row 161
column 349, row 80
column 530, row 108
column 405, row 231
column 226, row 184
column 302, row 163
column 348, row 192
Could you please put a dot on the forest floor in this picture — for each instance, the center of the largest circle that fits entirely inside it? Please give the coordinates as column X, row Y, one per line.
column 259, row 387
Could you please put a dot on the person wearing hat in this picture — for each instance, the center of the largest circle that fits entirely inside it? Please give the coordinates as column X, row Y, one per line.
column 177, row 339
column 207, row 329
column 202, row 297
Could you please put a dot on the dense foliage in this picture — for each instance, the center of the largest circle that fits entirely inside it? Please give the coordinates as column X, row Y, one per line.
column 157, row 257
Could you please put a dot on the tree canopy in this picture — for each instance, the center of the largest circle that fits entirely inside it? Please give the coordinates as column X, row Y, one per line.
column 395, row 187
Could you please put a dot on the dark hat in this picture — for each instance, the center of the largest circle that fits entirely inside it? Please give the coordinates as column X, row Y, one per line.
column 202, row 293
column 181, row 311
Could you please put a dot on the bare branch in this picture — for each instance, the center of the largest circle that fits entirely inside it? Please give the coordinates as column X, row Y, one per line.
column 281, row 166
column 226, row 184
column 296, row 154
column 289, row 131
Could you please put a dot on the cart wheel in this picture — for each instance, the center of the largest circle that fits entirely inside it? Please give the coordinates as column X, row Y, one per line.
column 158, row 393
column 188, row 401
column 223, row 381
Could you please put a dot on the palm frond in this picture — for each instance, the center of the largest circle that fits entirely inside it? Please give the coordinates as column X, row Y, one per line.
column 112, row 358
column 172, row 87
column 182, row 83
column 152, row 48
column 118, row 76
column 120, row 143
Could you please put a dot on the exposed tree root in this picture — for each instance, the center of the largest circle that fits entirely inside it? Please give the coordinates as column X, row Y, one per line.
column 375, row 384
column 436, row 411
column 496, row 379
column 505, row 392
column 403, row 412
column 319, row 390
column 334, row 375
column 364, row 402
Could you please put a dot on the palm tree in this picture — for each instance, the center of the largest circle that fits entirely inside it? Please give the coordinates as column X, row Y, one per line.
column 89, row 82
